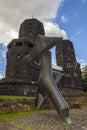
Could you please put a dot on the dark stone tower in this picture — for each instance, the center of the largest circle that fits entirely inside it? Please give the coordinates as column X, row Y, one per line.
column 65, row 56
column 30, row 28
column 18, row 48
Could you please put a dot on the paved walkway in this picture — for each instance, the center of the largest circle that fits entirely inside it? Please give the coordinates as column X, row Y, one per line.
column 47, row 121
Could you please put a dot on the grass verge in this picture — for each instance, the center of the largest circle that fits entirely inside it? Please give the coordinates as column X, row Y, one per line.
column 15, row 114
column 13, row 97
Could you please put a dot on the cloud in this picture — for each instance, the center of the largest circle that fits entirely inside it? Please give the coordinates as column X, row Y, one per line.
column 13, row 12
column 73, row 38
column 82, row 62
column 1, row 76
column 4, row 54
column 53, row 56
column 52, row 29
column 77, row 34
column 64, row 19
column 12, row 33
column 79, row 31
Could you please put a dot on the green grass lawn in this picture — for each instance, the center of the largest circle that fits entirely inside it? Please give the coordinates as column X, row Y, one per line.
column 13, row 97
column 15, row 114
column 16, row 97
column 11, row 115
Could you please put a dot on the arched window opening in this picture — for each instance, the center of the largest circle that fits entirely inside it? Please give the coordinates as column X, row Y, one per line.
column 68, row 65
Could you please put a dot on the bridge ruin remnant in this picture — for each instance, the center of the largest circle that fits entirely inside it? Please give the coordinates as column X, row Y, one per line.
column 22, row 80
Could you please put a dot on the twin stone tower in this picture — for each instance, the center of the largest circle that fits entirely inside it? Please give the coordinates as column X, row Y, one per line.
column 21, row 79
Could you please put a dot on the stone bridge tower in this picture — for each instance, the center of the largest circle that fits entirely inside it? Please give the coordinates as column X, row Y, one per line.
column 65, row 57
column 18, row 48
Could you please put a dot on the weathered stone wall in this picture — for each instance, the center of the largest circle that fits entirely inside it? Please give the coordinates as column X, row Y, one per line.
column 16, row 105
column 17, row 88
column 17, row 50
column 65, row 56
column 27, row 104
column 30, row 28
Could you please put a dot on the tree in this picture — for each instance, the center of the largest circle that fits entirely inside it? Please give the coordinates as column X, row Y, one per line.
column 84, row 77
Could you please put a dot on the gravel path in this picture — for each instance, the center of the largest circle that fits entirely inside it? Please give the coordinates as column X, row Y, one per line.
column 47, row 121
